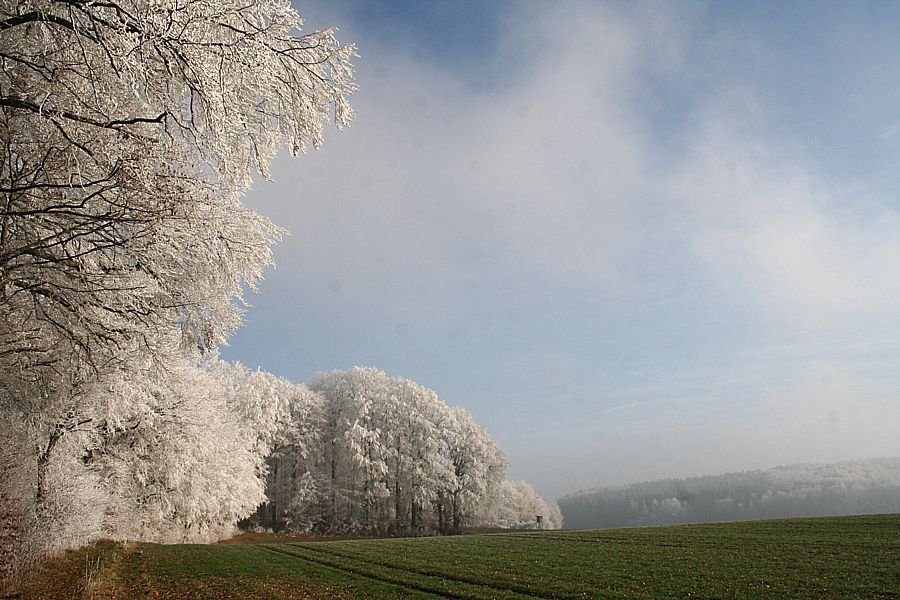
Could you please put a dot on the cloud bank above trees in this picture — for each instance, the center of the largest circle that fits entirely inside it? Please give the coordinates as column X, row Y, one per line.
column 597, row 191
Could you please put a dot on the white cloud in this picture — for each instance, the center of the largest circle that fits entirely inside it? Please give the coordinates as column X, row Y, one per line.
column 773, row 233
column 537, row 177
column 556, row 175
column 566, row 175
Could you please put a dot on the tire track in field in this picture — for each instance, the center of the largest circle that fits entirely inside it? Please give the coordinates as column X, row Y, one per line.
column 359, row 573
column 475, row 593
column 522, row 591
column 559, row 538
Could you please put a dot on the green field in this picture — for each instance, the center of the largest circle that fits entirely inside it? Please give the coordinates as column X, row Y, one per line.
column 844, row 557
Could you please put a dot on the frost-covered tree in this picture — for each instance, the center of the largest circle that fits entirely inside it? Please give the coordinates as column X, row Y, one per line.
column 352, row 451
column 391, row 457
column 478, row 466
column 283, row 423
column 187, row 464
column 157, row 453
column 129, row 131
column 419, row 457
column 516, row 505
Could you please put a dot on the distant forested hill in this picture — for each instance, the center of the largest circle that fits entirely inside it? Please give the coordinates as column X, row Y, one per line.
column 853, row 487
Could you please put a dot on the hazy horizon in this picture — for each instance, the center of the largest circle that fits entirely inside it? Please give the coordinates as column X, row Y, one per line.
column 635, row 241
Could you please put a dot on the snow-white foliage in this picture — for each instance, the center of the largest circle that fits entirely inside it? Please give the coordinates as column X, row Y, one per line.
column 72, row 506
column 129, row 131
column 517, row 506
column 477, row 463
column 186, row 466
column 281, row 422
column 387, row 456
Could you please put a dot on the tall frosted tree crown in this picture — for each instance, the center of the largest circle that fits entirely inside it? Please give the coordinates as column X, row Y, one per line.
column 130, row 130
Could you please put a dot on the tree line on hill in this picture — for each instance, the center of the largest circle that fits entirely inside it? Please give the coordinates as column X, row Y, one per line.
column 804, row 490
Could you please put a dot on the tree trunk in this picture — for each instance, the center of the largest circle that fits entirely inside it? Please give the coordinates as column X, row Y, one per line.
column 333, row 483
column 397, row 506
column 273, row 501
column 292, row 490
column 43, row 461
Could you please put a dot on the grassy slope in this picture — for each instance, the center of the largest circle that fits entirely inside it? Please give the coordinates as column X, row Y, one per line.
column 842, row 557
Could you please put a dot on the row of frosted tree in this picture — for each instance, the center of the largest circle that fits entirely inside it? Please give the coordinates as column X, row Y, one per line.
column 804, row 490
column 386, row 455
column 187, row 455
column 129, row 132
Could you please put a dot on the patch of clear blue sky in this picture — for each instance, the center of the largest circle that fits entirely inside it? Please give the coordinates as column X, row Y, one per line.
column 830, row 68
column 825, row 69
column 458, row 35
column 826, row 72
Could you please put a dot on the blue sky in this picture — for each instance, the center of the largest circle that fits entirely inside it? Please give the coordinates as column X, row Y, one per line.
column 635, row 240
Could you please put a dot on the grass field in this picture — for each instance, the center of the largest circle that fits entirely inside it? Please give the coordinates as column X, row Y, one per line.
column 844, row 557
